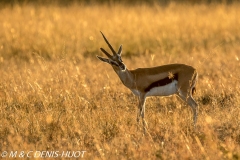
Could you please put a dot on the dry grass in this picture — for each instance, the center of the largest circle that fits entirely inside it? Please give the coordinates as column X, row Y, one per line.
column 55, row 95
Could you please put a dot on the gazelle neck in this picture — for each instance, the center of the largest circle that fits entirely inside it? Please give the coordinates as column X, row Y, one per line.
column 126, row 77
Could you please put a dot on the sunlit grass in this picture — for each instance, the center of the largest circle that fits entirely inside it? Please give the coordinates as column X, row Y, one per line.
column 55, row 95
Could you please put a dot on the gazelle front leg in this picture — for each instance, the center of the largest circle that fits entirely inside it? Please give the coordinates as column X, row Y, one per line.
column 141, row 110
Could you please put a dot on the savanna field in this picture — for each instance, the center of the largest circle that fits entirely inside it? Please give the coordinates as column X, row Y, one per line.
column 55, row 95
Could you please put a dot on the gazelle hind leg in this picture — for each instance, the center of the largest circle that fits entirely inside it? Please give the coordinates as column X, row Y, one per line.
column 192, row 103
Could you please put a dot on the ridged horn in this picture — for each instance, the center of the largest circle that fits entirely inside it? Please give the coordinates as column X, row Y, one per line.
column 109, row 45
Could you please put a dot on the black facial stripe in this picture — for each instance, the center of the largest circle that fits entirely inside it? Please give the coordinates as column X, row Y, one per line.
column 114, row 63
column 161, row 82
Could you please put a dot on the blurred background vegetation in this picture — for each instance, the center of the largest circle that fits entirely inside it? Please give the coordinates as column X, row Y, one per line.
column 128, row 2
column 56, row 95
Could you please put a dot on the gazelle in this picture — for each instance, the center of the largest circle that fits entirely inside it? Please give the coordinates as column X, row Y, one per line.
column 166, row 80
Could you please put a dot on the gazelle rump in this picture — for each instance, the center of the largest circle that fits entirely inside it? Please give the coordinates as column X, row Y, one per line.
column 165, row 80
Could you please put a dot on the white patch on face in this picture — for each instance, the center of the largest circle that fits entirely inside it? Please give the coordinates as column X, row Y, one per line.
column 166, row 90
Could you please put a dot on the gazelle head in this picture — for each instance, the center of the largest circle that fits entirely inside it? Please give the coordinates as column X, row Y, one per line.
column 114, row 60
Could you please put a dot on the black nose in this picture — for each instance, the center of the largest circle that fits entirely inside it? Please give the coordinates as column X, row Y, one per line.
column 122, row 66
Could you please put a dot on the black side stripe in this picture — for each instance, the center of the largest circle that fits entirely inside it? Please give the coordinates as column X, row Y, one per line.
column 161, row 82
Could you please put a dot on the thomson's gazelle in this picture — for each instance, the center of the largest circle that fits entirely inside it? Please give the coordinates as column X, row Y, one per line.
column 179, row 79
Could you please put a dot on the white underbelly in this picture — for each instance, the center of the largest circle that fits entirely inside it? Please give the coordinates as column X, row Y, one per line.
column 166, row 90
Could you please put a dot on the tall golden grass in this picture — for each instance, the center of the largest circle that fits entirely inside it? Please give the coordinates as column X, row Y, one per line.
column 55, row 95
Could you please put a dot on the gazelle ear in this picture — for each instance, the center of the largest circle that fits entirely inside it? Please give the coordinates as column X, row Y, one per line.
column 103, row 59
column 120, row 50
